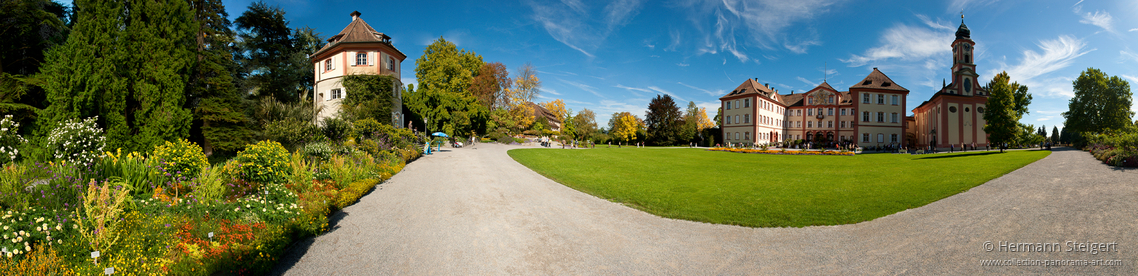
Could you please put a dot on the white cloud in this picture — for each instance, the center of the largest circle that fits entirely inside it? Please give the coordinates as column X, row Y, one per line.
column 633, row 90
column 1133, row 79
column 808, row 82
column 571, row 22
column 759, row 22
column 1134, row 30
column 669, row 93
column 1057, row 54
column 1129, row 55
column 582, row 86
column 716, row 93
column 550, row 91
column 907, row 43
column 683, row 64
column 1102, row 19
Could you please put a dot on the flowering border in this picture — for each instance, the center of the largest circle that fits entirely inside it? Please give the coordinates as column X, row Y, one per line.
column 785, row 152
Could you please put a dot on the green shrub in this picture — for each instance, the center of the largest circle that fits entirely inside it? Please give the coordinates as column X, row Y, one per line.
column 505, row 139
column 10, row 140
column 76, row 141
column 265, row 162
column 336, row 129
column 210, row 185
column 181, row 158
column 293, row 133
column 320, row 150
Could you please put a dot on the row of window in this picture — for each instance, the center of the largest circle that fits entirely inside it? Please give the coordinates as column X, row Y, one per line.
column 747, row 136
column 829, row 100
column 893, row 138
column 747, row 120
column 829, row 124
column 893, row 117
column 765, row 105
column 361, row 59
column 893, row 99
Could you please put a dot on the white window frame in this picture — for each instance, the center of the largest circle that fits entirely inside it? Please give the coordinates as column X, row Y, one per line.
column 895, row 100
column 865, row 116
column 865, row 137
column 336, row 93
column 390, row 63
column 880, row 138
column 865, row 97
column 360, row 61
column 880, row 98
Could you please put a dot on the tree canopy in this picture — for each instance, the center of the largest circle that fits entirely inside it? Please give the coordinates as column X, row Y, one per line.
column 1101, row 103
column 442, row 98
column 130, row 69
column 1007, row 103
column 664, row 121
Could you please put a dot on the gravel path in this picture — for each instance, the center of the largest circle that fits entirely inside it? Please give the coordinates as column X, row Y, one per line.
column 478, row 212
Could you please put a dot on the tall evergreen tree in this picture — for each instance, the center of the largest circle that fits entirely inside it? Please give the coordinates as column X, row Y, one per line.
column 219, row 111
column 128, row 68
column 267, row 47
column 28, row 28
column 1054, row 134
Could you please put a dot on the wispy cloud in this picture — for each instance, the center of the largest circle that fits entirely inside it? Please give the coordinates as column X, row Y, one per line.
column 1129, row 55
column 550, row 91
column 582, row 86
column 808, row 82
column 716, row 93
column 961, row 5
column 1134, row 30
column 572, row 23
column 907, row 43
column 666, row 92
column 734, row 23
column 683, row 64
column 1057, row 54
column 1102, row 19
column 633, row 90
column 1133, row 79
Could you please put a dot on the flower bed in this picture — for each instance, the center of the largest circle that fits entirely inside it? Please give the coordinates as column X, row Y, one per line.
column 1115, row 149
column 784, row 152
column 169, row 212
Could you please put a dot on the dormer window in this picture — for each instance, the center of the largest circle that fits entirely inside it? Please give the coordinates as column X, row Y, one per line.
column 361, row 58
column 867, row 82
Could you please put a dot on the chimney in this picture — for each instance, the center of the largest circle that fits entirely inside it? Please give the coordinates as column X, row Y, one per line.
column 768, row 85
column 355, row 15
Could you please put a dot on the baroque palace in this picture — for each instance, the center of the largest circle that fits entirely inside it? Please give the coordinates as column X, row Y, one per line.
column 870, row 113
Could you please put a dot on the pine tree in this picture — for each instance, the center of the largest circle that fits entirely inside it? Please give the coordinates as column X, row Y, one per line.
column 219, row 118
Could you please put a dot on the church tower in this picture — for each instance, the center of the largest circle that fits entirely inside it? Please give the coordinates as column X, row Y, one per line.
column 964, row 76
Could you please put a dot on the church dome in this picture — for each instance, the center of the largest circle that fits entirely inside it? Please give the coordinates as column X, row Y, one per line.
column 963, row 31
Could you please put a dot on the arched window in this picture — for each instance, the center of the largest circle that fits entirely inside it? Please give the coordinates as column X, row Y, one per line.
column 361, row 58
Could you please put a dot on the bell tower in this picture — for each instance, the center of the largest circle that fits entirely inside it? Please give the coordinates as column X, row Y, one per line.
column 963, row 64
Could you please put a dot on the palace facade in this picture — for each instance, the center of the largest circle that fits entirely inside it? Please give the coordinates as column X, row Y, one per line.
column 869, row 113
column 358, row 49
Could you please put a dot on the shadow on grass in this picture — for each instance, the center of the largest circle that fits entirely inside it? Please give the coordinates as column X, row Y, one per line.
column 299, row 248
column 959, row 155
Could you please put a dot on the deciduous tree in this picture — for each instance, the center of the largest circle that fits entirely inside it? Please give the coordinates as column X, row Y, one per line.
column 442, row 99
column 586, row 124
column 1007, row 102
column 625, row 127
column 490, row 85
column 1101, row 103
column 663, row 120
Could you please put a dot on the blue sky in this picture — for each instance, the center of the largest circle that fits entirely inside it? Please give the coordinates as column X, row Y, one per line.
column 613, row 56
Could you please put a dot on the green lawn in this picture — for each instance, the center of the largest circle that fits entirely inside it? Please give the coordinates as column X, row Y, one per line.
column 769, row 190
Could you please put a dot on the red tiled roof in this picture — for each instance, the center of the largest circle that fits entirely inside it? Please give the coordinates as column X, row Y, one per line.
column 878, row 80
column 358, row 31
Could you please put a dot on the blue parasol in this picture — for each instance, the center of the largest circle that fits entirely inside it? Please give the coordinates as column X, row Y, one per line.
column 439, row 134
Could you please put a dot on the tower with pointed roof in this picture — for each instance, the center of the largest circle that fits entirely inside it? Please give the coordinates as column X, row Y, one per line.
column 358, row 49
column 954, row 116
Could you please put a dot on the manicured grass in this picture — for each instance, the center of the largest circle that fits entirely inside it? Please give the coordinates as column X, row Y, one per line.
column 769, row 190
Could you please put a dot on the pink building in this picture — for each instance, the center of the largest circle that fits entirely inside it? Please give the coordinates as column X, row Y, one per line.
column 358, row 49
